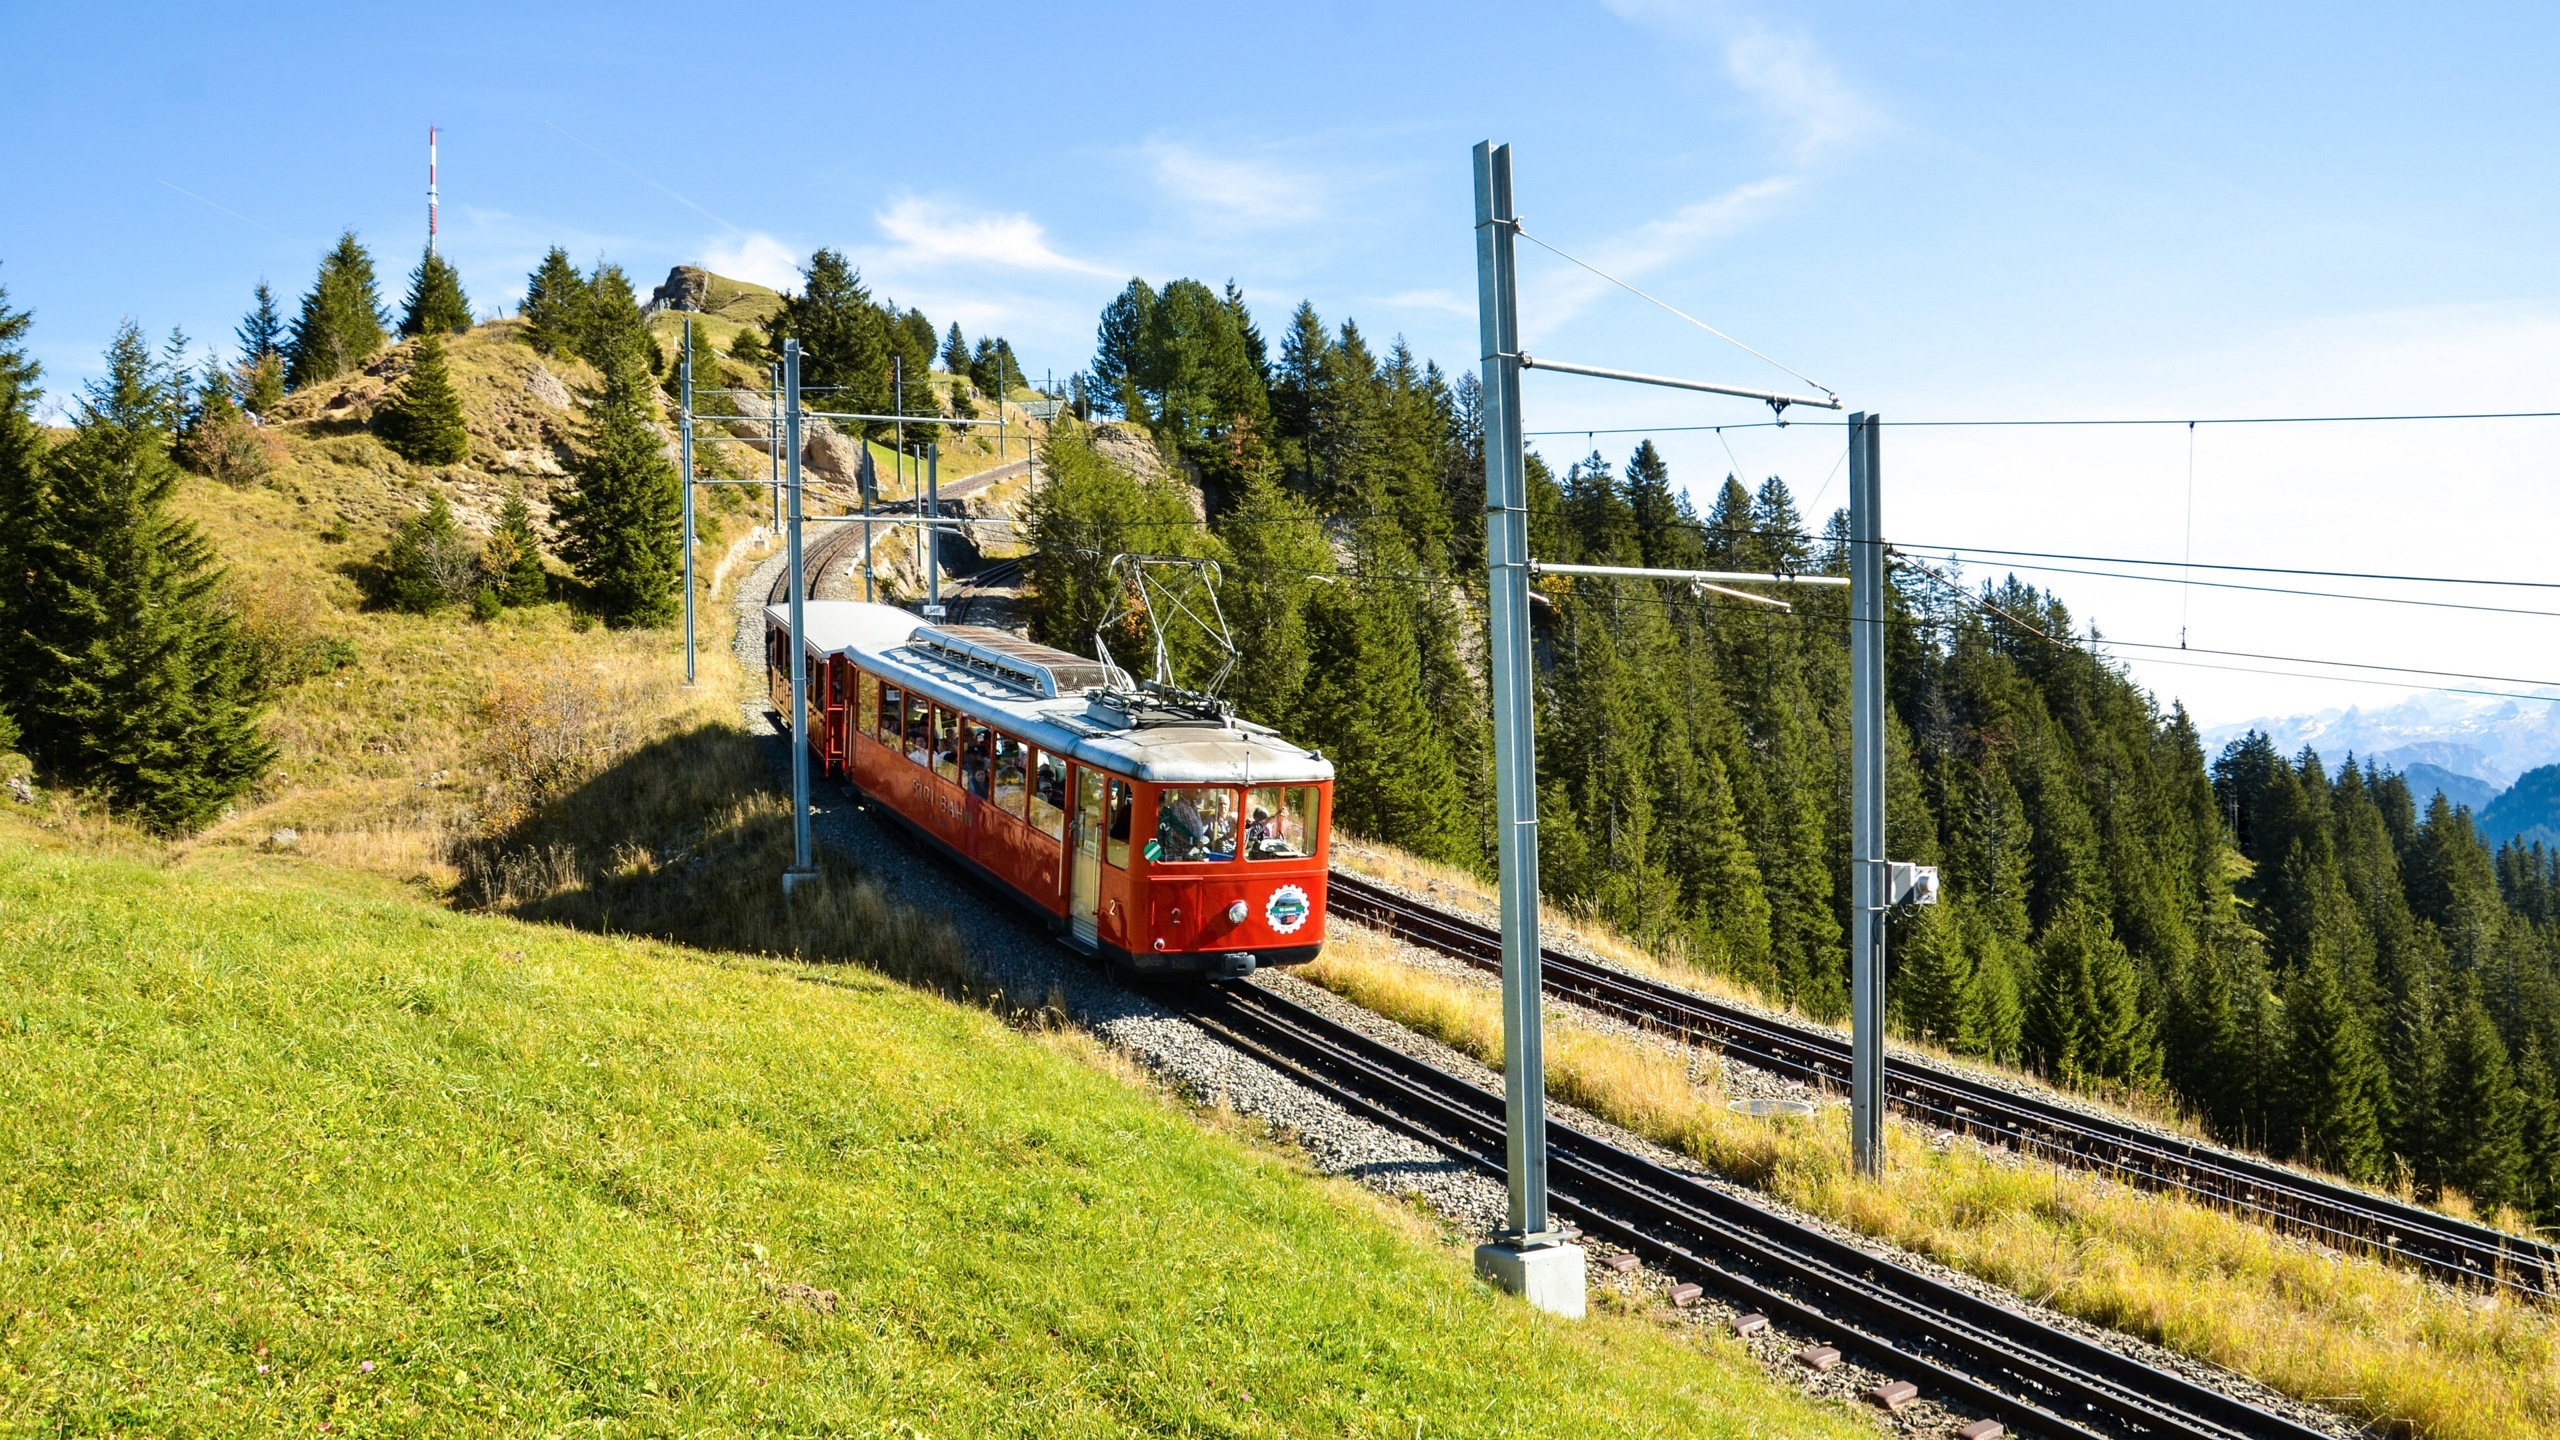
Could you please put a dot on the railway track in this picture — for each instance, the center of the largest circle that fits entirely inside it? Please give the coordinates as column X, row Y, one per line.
column 2334, row 1214
column 1955, row 1345
column 818, row 565
column 978, row 594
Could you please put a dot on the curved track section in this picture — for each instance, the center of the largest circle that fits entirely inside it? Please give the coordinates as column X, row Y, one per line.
column 1955, row 1344
column 2324, row 1210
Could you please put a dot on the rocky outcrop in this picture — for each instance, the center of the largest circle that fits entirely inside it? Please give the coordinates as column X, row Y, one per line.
column 830, row 459
column 686, row 288
column 1129, row 449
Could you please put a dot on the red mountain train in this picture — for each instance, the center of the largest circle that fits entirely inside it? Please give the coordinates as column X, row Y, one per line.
column 1155, row 831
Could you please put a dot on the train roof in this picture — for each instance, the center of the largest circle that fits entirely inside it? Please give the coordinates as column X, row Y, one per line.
column 1048, row 697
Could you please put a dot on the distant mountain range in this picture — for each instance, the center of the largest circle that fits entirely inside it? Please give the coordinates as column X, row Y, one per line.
column 2501, row 757
column 2493, row 740
column 2426, row 780
column 2528, row 811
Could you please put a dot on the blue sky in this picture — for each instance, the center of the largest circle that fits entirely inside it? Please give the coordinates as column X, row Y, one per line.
column 1941, row 212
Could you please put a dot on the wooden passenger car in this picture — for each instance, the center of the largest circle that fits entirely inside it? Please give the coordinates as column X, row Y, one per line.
column 1162, row 835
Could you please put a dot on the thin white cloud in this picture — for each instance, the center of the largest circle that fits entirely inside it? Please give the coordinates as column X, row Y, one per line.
column 1233, row 187
column 754, row 256
column 1800, row 91
column 935, row 232
column 1658, row 242
column 1815, row 112
column 1568, row 290
column 1448, row 302
column 1783, row 71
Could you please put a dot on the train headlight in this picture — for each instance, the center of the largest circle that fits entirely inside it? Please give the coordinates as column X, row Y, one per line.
column 1237, row 912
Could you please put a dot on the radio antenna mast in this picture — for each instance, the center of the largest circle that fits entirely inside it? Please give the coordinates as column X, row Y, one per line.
column 431, row 189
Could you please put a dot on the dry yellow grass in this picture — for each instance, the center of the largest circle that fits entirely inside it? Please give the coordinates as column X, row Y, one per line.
column 2369, row 1340
column 1467, row 893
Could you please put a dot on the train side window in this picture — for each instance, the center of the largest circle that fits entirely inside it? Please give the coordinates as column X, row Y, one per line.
column 946, row 744
column 1115, row 847
column 1048, row 793
column 1011, row 781
column 1281, row 822
column 919, row 729
column 893, row 703
column 1194, row 823
column 973, row 758
column 867, row 715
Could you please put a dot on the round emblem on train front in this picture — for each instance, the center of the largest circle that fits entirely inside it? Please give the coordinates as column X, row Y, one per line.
column 1288, row 909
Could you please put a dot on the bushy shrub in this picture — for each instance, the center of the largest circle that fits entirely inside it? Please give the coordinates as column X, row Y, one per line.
column 428, row 565
column 232, row 451
column 280, row 629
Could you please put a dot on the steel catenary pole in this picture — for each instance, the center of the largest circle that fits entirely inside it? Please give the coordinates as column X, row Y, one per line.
column 801, row 868
column 1514, row 739
column 685, row 464
column 1868, row 883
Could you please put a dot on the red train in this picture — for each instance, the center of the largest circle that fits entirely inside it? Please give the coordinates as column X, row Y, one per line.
column 1152, row 829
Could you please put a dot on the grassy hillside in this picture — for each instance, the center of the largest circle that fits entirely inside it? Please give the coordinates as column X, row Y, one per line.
column 290, row 1149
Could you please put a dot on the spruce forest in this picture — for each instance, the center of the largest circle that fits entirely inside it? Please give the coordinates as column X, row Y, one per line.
column 2283, row 946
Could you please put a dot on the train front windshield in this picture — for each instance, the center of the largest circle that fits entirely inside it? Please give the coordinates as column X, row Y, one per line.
column 1206, row 824
column 1194, row 823
column 1280, row 822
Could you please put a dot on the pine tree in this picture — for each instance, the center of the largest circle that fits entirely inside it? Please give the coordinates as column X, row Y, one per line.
column 912, row 349
column 2538, row 1097
column 341, row 324
column 613, row 327
column 2220, row 1040
column 429, row 563
column 2335, row 1088
column 1279, row 551
column 1090, row 509
column 421, row 420
column 135, row 679
column 555, row 305
column 511, row 563
column 215, row 440
column 843, row 335
column 2084, row 1017
column 707, row 373
column 1932, row 978
column 436, row 303
column 618, row 525
column 2480, row 1148
column 213, row 402
column 1366, row 709
column 22, row 488
column 955, row 352
column 1116, row 346
column 262, row 385
column 261, row 331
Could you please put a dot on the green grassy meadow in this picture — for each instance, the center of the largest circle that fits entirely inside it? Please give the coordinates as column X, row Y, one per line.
column 291, row 1150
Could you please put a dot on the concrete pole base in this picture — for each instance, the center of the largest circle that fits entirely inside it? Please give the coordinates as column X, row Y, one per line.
column 794, row 879
column 1549, row 1277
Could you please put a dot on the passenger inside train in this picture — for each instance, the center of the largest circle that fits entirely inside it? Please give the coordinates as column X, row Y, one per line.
column 1195, row 824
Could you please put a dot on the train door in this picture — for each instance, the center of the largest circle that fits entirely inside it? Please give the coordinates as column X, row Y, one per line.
column 1084, row 891
column 838, row 687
